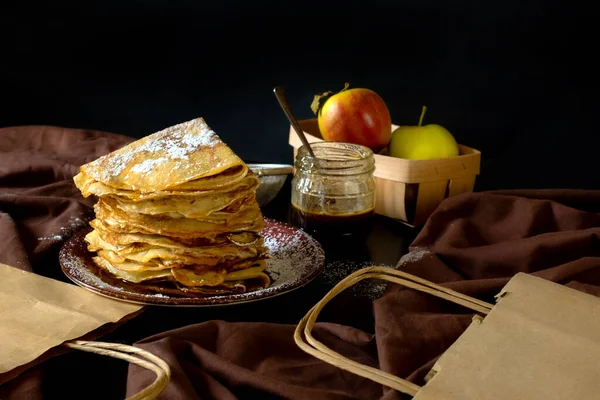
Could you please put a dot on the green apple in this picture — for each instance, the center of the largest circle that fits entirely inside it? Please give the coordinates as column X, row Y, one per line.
column 422, row 142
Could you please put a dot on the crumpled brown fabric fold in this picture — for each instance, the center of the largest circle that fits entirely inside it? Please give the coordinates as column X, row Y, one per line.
column 40, row 207
column 221, row 360
column 473, row 243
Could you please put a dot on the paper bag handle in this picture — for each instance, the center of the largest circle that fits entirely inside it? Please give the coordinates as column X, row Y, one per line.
column 133, row 355
column 322, row 352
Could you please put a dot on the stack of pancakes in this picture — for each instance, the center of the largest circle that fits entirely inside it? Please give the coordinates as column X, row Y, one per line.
column 178, row 205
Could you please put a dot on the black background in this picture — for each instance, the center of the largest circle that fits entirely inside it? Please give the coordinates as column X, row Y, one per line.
column 515, row 79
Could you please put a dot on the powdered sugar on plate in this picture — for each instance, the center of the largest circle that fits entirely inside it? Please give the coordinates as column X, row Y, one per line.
column 73, row 225
column 296, row 257
column 368, row 288
column 52, row 238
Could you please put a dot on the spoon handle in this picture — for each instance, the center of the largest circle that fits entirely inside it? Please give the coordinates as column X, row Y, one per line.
column 288, row 112
column 271, row 169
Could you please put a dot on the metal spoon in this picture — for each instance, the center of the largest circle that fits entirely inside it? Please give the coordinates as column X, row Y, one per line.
column 271, row 169
column 288, row 112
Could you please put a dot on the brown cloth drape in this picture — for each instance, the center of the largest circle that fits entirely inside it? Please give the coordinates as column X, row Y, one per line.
column 40, row 206
column 473, row 243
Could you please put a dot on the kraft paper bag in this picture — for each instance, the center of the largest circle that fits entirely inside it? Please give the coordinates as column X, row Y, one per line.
column 37, row 314
column 540, row 341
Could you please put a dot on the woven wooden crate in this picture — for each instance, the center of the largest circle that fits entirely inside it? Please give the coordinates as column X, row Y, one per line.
column 410, row 190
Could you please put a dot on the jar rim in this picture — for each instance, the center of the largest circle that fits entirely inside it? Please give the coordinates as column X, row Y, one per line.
column 359, row 152
column 336, row 158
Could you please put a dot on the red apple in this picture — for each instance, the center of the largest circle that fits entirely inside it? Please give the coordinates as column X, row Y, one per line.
column 358, row 116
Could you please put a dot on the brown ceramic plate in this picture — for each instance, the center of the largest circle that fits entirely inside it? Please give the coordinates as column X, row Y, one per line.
column 296, row 259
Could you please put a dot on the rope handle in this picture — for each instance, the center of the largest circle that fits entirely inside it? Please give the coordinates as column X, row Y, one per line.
column 322, row 352
column 133, row 355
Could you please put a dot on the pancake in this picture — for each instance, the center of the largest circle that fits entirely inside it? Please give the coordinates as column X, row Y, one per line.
column 89, row 186
column 248, row 219
column 187, row 156
column 137, row 250
column 242, row 238
column 193, row 277
column 178, row 208
column 189, row 206
column 188, row 276
column 152, row 257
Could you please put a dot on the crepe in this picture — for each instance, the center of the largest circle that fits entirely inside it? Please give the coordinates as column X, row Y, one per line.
column 188, row 156
column 89, row 186
column 197, row 206
column 244, row 238
column 177, row 207
column 248, row 218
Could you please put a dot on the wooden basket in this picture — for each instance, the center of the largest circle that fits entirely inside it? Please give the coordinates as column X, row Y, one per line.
column 410, row 190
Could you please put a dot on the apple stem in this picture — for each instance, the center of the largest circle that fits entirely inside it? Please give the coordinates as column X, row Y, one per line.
column 422, row 115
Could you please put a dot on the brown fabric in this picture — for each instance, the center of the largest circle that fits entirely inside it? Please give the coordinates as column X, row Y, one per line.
column 40, row 208
column 39, row 204
column 473, row 243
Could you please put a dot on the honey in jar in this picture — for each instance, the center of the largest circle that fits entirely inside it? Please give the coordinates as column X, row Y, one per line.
column 327, row 225
column 334, row 195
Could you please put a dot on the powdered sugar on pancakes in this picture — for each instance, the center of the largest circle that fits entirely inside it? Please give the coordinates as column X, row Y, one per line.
column 174, row 143
column 148, row 165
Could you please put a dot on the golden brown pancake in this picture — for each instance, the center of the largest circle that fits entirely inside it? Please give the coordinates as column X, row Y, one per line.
column 153, row 257
column 248, row 219
column 177, row 207
column 242, row 238
column 89, row 187
column 188, row 206
column 186, row 276
column 171, row 159
column 138, row 250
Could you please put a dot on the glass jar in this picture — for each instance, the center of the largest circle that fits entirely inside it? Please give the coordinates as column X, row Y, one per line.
column 335, row 194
